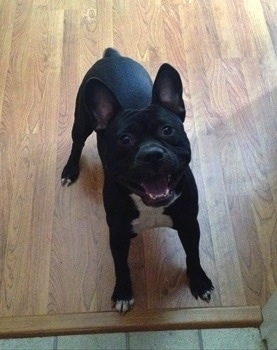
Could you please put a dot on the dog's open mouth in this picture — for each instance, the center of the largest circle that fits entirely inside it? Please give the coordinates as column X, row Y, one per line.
column 157, row 190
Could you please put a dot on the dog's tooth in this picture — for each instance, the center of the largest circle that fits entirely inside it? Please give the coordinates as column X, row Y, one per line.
column 166, row 193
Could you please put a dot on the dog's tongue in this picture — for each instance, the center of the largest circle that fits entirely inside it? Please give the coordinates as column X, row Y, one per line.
column 156, row 187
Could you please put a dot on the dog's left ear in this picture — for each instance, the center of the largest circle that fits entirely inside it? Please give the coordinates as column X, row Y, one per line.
column 168, row 90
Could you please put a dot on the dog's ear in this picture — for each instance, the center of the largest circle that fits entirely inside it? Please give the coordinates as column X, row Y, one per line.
column 100, row 102
column 168, row 90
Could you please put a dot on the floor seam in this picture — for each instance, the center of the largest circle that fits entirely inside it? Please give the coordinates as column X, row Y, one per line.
column 200, row 339
column 127, row 341
column 55, row 343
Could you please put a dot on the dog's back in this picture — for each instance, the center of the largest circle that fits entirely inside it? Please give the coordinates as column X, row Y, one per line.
column 126, row 78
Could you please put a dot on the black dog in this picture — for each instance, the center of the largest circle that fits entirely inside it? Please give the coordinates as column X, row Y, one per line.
column 145, row 154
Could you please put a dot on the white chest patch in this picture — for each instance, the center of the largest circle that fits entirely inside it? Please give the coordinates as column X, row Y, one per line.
column 149, row 217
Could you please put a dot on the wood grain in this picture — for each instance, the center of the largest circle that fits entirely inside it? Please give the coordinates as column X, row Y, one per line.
column 54, row 245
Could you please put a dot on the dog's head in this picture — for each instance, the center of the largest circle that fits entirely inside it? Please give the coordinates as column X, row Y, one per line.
column 146, row 150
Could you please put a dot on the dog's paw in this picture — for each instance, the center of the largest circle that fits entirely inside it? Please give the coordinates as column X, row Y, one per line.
column 69, row 175
column 66, row 181
column 123, row 306
column 206, row 296
column 122, row 298
column 201, row 286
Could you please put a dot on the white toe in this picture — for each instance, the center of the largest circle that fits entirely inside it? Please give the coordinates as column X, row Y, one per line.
column 122, row 306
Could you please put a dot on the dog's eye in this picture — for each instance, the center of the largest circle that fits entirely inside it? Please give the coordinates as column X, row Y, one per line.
column 167, row 130
column 125, row 140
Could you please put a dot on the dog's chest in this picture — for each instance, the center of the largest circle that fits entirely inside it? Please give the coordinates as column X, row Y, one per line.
column 149, row 217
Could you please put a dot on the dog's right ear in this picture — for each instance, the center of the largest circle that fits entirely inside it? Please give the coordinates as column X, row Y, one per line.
column 100, row 102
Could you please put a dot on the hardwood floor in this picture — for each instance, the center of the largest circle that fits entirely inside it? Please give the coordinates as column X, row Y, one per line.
column 54, row 251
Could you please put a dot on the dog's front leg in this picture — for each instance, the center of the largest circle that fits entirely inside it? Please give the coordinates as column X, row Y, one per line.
column 82, row 128
column 199, row 283
column 122, row 297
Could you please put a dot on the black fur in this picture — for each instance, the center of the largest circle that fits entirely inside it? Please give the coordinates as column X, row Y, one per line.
column 145, row 153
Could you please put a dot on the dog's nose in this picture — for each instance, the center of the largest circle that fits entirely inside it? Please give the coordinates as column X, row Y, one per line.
column 152, row 155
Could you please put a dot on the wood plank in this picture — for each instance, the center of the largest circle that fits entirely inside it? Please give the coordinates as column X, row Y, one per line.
column 95, row 32
column 15, row 222
column 206, row 125
column 151, row 320
column 226, row 30
column 263, row 97
column 144, row 27
column 7, row 12
column 29, row 231
column 243, row 174
column 270, row 13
